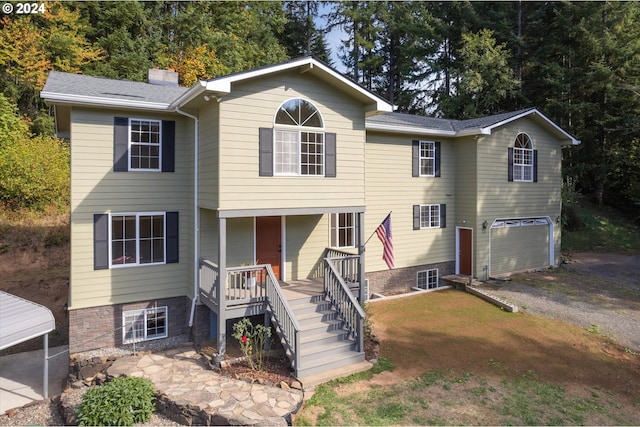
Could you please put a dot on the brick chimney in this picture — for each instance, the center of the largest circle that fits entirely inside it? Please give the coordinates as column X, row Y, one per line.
column 160, row 77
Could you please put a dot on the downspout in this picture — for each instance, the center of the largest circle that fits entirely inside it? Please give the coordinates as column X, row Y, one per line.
column 196, row 215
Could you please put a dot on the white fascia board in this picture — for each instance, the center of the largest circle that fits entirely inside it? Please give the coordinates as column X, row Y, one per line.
column 408, row 130
column 474, row 131
column 189, row 95
column 222, row 85
column 534, row 111
column 58, row 98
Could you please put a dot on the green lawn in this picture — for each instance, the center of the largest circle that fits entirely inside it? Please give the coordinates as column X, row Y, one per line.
column 603, row 230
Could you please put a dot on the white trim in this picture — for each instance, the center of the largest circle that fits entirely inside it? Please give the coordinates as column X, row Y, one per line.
column 427, row 271
column 222, row 85
column 283, row 247
column 61, row 98
column 129, row 143
column 413, row 130
column 353, row 227
column 299, row 125
column 488, row 130
column 430, row 227
column 255, row 240
column 137, row 216
column 143, row 312
column 433, row 159
column 534, row 112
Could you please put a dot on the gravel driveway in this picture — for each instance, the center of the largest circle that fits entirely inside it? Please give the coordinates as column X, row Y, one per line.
column 600, row 292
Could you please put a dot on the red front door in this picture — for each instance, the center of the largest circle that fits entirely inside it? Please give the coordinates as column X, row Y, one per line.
column 465, row 254
column 269, row 242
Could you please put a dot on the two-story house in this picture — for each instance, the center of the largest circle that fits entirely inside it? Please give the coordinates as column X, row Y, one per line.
column 191, row 207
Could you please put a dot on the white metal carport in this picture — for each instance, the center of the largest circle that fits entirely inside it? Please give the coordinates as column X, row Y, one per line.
column 22, row 320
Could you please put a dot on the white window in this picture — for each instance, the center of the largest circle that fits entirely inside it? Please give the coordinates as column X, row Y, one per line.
column 427, row 158
column 298, row 139
column 137, row 238
column 523, row 158
column 143, row 325
column 427, row 279
column 343, row 230
column 144, row 144
column 429, row 216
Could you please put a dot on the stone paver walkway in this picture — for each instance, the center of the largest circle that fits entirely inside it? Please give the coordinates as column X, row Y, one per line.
column 192, row 394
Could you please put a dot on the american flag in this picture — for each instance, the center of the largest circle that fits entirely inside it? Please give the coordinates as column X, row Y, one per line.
column 384, row 234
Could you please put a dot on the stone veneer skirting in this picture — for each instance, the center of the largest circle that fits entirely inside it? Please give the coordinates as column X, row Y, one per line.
column 403, row 279
column 101, row 327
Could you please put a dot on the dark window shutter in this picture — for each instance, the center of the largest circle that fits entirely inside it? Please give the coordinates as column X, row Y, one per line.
column 172, row 240
column 100, row 241
column 510, row 164
column 437, row 160
column 443, row 216
column 535, row 165
column 265, row 167
column 415, row 158
column 168, row 145
column 416, row 217
column 120, row 144
column 330, row 155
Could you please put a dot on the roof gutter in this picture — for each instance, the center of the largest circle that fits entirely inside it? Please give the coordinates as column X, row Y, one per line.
column 408, row 130
column 58, row 98
column 196, row 213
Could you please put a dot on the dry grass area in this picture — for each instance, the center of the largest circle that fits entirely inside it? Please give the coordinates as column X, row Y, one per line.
column 34, row 264
column 458, row 360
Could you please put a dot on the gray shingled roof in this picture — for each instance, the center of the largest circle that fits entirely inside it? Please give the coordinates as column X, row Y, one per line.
column 483, row 122
column 422, row 122
column 100, row 87
column 409, row 120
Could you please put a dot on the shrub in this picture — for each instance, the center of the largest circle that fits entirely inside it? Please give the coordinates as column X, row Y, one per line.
column 122, row 402
column 34, row 173
column 252, row 341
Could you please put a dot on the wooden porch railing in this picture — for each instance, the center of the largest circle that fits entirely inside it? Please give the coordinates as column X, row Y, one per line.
column 346, row 263
column 246, row 285
column 344, row 302
column 209, row 274
column 253, row 285
column 282, row 315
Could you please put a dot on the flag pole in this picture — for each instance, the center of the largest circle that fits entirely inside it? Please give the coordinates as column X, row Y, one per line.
column 374, row 231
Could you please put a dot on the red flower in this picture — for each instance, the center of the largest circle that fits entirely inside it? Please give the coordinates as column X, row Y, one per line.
column 244, row 339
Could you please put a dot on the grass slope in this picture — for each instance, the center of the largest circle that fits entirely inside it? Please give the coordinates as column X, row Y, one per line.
column 603, row 230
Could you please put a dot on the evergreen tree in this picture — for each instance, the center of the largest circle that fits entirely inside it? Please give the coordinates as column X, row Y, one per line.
column 300, row 36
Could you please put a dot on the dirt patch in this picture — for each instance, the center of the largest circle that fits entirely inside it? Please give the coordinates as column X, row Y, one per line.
column 41, row 276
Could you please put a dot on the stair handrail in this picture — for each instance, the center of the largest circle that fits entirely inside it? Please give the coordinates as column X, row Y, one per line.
column 344, row 302
column 283, row 316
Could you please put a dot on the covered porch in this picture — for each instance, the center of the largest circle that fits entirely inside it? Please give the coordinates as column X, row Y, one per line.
column 271, row 286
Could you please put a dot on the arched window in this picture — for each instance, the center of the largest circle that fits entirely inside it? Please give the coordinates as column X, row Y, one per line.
column 524, row 159
column 299, row 139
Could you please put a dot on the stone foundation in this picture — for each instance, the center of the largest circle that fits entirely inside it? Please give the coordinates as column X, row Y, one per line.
column 101, row 327
column 402, row 279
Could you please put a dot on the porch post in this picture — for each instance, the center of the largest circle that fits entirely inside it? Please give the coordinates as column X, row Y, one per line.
column 360, row 236
column 222, row 286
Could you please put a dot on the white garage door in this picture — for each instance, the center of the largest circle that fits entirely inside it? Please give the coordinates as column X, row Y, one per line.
column 519, row 244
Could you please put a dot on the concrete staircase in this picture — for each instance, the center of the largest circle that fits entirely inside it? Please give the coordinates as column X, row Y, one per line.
column 326, row 350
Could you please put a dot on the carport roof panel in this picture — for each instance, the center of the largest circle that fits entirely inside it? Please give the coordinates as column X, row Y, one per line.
column 21, row 320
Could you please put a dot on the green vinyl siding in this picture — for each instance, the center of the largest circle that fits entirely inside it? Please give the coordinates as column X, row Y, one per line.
column 208, row 148
column 307, row 238
column 253, row 105
column 391, row 186
column 499, row 198
column 96, row 189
